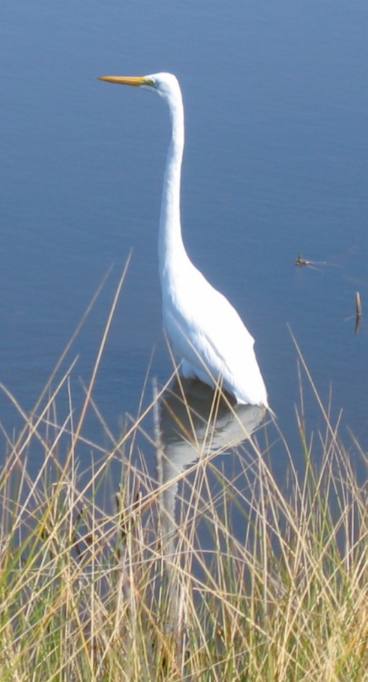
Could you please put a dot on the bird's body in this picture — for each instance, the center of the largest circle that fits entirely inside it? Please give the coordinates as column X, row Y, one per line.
column 210, row 337
column 205, row 330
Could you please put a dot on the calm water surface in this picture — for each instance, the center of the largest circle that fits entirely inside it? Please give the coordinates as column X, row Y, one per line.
column 276, row 165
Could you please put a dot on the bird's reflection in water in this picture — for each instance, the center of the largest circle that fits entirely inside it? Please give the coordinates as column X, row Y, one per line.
column 195, row 423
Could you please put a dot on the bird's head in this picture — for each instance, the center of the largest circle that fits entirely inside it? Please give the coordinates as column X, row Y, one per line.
column 165, row 84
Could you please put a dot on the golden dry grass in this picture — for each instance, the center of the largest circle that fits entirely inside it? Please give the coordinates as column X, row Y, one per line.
column 220, row 571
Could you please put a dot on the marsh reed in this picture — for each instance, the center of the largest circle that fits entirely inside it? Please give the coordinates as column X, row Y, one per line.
column 217, row 569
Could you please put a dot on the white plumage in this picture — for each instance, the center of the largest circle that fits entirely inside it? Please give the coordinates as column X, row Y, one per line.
column 206, row 332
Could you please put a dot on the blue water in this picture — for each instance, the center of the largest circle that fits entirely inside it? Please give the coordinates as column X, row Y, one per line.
column 276, row 165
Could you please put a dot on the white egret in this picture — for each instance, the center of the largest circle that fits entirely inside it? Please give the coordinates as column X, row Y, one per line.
column 205, row 330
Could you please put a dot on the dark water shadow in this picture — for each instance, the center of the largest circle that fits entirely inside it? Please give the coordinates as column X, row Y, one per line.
column 195, row 422
column 195, row 425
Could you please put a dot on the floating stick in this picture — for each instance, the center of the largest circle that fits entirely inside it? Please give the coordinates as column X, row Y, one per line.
column 358, row 311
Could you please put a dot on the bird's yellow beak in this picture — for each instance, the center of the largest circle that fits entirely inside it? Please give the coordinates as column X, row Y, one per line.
column 127, row 80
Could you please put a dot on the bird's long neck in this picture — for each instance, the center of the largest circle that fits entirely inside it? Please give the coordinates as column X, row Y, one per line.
column 171, row 247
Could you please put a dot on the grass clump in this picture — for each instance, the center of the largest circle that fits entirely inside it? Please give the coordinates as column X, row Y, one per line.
column 216, row 572
column 209, row 567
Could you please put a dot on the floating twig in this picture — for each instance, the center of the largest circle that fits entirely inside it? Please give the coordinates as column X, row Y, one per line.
column 358, row 312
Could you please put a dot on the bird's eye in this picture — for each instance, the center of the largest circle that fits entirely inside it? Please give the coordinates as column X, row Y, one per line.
column 151, row 82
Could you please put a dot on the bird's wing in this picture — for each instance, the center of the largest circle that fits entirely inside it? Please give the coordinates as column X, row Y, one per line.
column 209, row 333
